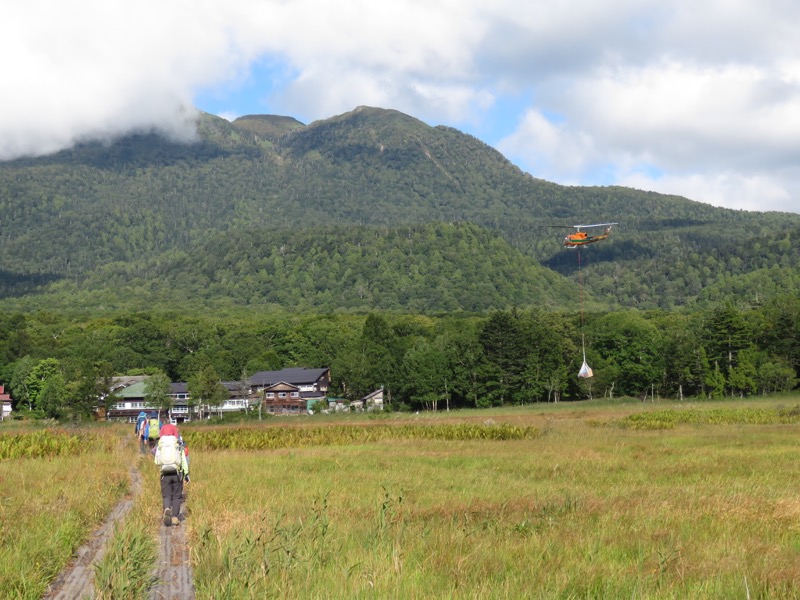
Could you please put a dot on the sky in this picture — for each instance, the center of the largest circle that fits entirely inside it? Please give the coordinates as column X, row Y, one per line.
column 698, row 99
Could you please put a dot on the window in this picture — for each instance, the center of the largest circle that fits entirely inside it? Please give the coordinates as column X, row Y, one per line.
column 295, row 394
column 281, row 394
column 270, row 395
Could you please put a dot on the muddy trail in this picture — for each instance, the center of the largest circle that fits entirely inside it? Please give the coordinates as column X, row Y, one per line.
column 173, row 573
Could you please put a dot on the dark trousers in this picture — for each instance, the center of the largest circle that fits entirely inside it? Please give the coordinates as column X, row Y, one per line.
column 172, row 492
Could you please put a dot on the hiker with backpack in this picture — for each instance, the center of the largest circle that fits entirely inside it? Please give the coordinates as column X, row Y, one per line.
column 141, row 431
column 171, row 458
column 153, row 429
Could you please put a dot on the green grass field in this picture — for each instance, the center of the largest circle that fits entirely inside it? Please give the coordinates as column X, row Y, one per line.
column 591, row 500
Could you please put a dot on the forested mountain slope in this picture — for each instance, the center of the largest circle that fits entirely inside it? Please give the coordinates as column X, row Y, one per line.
column 421, row 268
column 142, row 201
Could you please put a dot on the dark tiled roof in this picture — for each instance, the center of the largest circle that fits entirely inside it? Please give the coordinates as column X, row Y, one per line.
column 179, row 387
column 294, row 375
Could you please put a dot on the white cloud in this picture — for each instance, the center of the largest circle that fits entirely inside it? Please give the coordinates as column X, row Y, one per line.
column 96, row 69
column 414, row 56
column 679, row 112
column 548, row 149
column 100, row 68
column 724, row 189
column 727, row 135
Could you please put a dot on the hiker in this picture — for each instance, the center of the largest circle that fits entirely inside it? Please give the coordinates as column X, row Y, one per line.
column 141, row 431
column 174, row 468
column 154, row 426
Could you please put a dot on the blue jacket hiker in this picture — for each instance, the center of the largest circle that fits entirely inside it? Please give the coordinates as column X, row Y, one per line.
column 141, row 431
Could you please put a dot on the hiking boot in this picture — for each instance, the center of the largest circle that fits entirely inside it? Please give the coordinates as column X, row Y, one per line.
column 175, row 521
column 168, row 517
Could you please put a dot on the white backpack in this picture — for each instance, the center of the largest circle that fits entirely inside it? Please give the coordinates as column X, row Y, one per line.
column 168, row 454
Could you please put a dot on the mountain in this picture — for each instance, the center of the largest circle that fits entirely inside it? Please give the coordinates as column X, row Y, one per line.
column 140, row 210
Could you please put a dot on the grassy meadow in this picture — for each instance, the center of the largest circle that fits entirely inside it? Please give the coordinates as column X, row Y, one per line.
column 597, row 500
column 592, row 500
column 56, row 487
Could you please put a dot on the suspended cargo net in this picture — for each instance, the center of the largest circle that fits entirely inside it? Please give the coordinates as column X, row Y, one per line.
column 586, row 370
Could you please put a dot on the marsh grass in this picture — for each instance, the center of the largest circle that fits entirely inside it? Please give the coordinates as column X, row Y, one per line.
column 50, row 443
column 670, row 418
column 272, row 438
column 51, row 504
column 577, row 512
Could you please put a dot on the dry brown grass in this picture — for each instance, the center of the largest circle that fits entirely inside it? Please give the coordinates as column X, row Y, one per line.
column 581, row 511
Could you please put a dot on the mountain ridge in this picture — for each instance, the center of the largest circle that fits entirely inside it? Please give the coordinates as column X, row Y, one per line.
column 141, row 197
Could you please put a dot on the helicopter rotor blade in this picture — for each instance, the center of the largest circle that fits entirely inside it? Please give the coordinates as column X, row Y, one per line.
column 595, row 225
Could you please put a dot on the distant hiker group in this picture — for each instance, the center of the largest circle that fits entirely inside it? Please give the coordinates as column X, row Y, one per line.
column 171, row 456
column 148, row 429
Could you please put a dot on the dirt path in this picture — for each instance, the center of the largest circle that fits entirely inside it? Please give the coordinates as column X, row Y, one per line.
column 76, row 581
column 174, row 572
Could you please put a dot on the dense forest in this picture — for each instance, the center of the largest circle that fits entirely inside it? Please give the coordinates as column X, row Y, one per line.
column 400, row 255
column 424, row 268
column 57, row 365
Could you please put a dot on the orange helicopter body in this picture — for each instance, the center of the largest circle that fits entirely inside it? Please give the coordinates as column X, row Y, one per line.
column 581, row 238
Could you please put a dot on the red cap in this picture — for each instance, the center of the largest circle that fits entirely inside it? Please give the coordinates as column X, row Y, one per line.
column 168, row 429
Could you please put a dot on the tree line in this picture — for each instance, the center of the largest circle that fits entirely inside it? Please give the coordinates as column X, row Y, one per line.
column 61, row 366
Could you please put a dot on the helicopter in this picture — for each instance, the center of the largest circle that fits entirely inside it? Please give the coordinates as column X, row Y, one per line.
column 581, row 238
